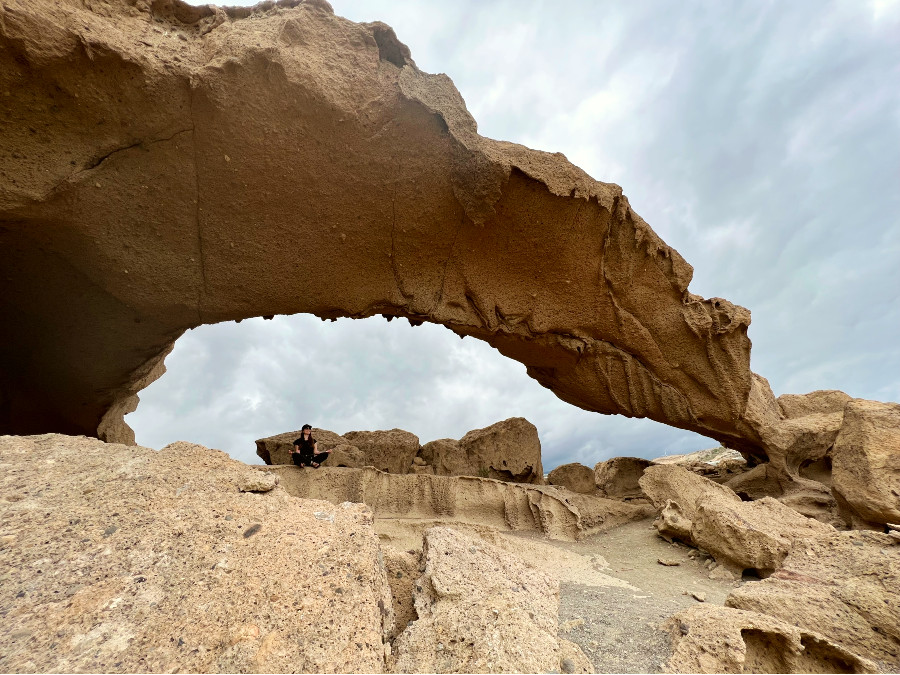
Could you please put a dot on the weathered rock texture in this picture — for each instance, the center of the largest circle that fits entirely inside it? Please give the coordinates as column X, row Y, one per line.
column 124, row 559
column 742, row 535
column 618, row 477
column 866, row 471
column 481, row 610
column 391, row 451
column 462, row 499
column 163, row 165
column 711, row 639
column 844, row 586
column 509, row 450
column 575, row 477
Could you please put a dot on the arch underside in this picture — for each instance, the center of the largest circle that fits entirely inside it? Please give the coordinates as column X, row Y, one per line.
column 226, row 167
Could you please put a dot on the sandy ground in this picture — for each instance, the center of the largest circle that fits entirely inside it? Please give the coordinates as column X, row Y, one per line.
column 613, row 602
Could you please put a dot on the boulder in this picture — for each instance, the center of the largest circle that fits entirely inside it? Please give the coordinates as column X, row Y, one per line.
column 670, row 482
column 866, row 462
column 814, row 403
column 481, row 610
column 347, row 455
column 718, row 464
column 392, row 451
column 843, row 585
column 750, row 535
column 447, row 458
column 124, row 559
column 509, row 450
column 617, row 478
column 575, row 477
column 711, row 639
column 277, row 449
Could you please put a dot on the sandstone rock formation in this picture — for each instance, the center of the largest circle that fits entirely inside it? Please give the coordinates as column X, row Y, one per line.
column 481, row 610
column 711, row 639
column 844, row 586
column 391, row 451
column 741, row 535
column 575, row 477
column 137, row 200
column 617, row 478
column 866, row 462
column 509, row 450
column 718, row 464
column 277, row 449
column 124, row 559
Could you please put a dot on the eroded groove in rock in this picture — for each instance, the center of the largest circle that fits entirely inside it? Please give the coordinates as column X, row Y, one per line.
column 311, row 133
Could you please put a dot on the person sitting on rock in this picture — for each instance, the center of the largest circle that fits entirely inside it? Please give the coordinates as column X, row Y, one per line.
column 306, row 450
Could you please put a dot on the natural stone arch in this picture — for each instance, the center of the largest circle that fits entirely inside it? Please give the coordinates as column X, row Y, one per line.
column 179, row 166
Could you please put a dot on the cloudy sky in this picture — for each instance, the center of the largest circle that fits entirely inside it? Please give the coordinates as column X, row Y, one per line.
column 760, row 139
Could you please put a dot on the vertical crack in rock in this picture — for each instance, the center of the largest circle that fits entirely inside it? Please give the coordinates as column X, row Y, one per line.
column 201, row 287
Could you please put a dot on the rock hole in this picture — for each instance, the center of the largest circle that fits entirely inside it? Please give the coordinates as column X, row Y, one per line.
column 766, row 652
column 389, row 47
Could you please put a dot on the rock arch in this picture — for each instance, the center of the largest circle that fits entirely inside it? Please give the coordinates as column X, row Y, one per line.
column 164, row 166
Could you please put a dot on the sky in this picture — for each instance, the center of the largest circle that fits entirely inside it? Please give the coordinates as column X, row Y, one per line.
column 760, row 139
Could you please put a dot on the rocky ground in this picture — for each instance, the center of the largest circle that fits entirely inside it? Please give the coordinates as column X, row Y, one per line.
column 619, row 628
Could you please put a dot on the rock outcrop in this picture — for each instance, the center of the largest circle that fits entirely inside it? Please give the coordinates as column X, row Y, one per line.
column 711, row 639
column 574, row 476
column 165, row 216
column 481, row 610
column 392, row 451
column 844, row 585
column 866, row 464
column 124, row 559
column 509, row 450
column 741, row 535
column 468, row 500
column 617, row 478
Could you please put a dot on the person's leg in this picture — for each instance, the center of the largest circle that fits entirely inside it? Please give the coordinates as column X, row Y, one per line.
column 297, row 458
column 318, row 458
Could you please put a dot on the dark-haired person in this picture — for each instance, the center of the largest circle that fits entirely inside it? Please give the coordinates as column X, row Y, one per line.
column 306, row 450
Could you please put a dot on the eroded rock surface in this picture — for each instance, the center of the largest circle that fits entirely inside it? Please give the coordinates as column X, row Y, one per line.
column 866, row 471
column 509, row 450
column 277, row 449
column 617, row 478
column 574, row 476
column 711, row 639
column 124, row 559
column 482, row 610
column 166, row 216
column 844, row 586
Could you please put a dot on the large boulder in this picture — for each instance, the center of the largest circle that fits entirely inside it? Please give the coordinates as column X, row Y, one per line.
column 750, row 535
column 277, row 449
column 574, row 476
column 866, row 462
column 124, row 559
column 481, row 610
column 447, row 458
column 392, row 451
column 844, row 585
column 741, row 535
column 617, row 478
column 509, row 450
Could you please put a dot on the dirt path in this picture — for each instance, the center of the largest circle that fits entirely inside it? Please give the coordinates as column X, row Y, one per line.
column 618, row 624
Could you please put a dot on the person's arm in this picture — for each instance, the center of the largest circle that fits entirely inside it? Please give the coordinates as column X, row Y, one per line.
column 295, row 449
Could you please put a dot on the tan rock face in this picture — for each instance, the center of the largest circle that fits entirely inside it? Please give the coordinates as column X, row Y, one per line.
column 867, row 461
column 124, row 559
column 391, row 451
column 617, row 478
column 711, row 639
column 166, row 217
column 575, row 477
column 843, row 586
column 447, row 458
column 509, row 450
column 481, row 610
